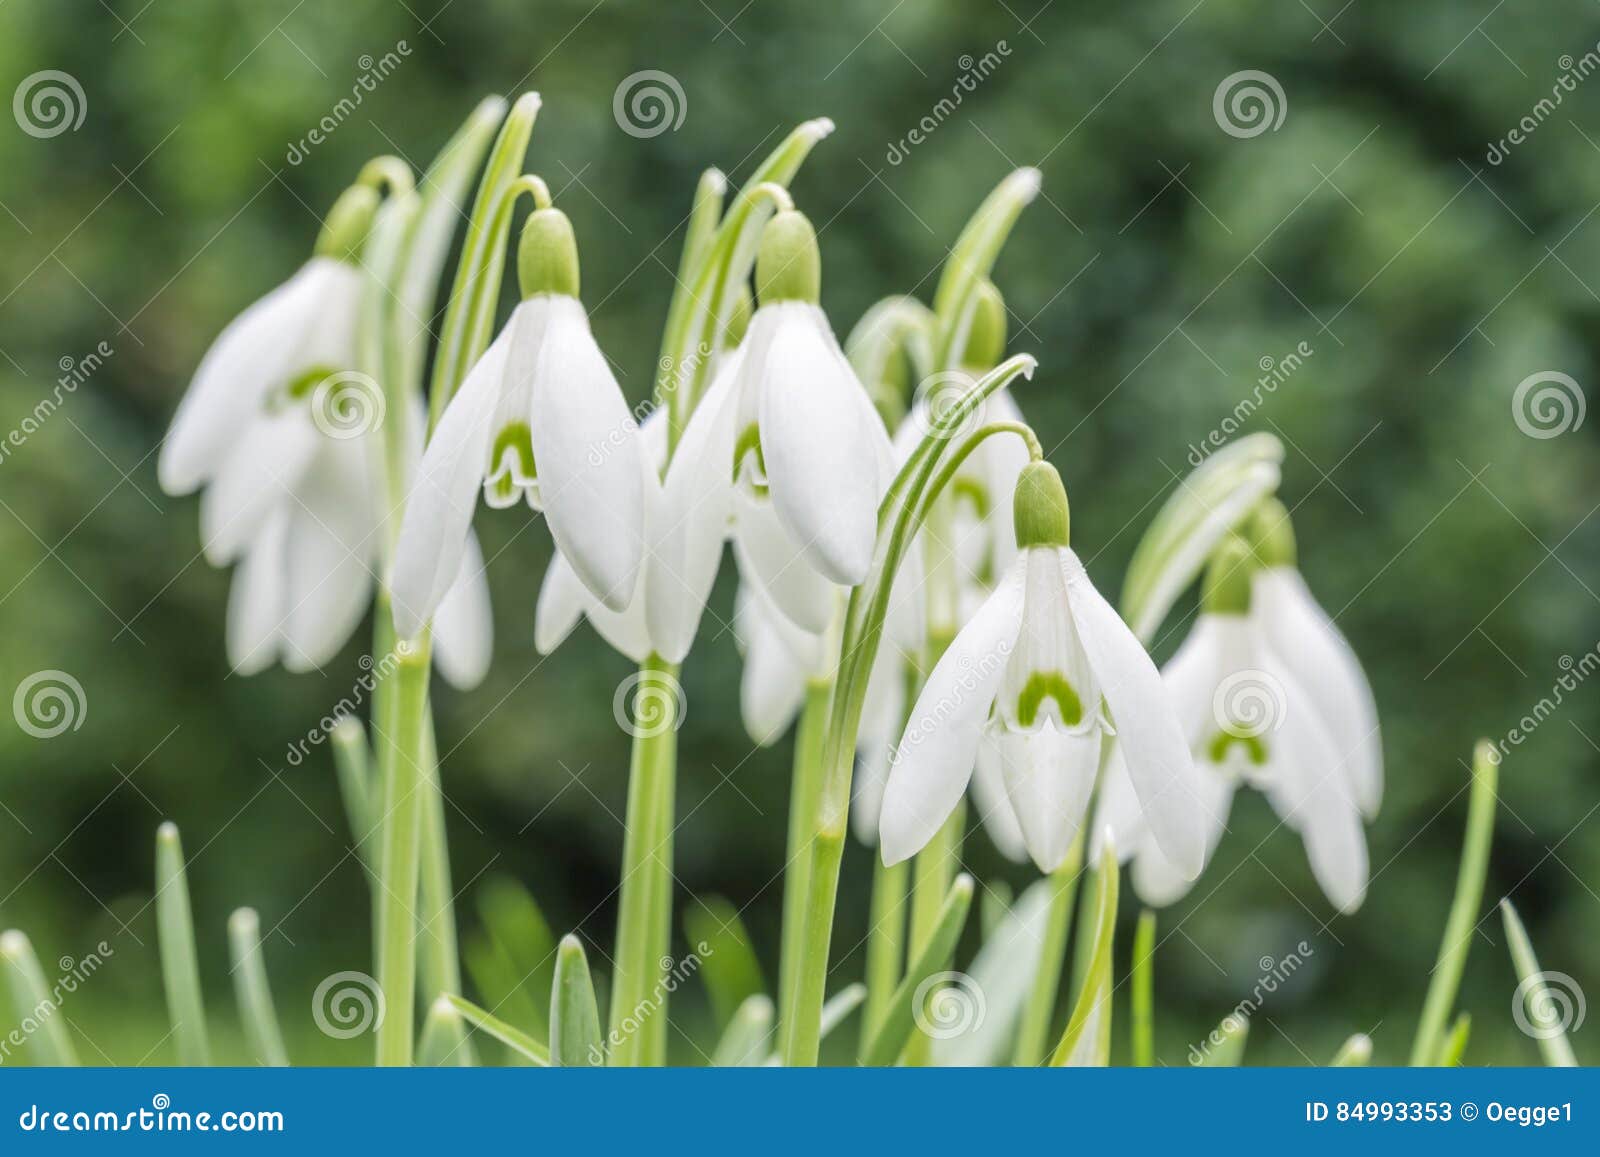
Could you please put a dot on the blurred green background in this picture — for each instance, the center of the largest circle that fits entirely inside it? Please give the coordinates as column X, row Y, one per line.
column 1165, row 261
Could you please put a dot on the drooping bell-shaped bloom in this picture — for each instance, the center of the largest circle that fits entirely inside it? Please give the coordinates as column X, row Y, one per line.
column 282, row 432
column 785, row 449
column 1046, row 670
column 539, row 417
column 1250, row 722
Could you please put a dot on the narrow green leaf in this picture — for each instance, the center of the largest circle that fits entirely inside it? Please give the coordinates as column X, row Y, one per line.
column 899, row 1018
column 972, row 259
column 1207, row 504
column 1033, row 1031
column 886, row 940
column 574, row 1013
column 1354, row 1053
column 520, row 1042
column 840, row 1006
column 352, row 761
column 728, row 963
column 1142, row 996
column 180, row 970
column 994, row 906
column 1455, row 1042
column 1004, row 970
column 1228, row 1052
column 499, row 985
column 1087, row 1039
column 443, row 1034
column 1547, row 1008
column 746, row 1040
column 517, row 926
column 1463, row 917
column 33, row 1000
column 251, row 990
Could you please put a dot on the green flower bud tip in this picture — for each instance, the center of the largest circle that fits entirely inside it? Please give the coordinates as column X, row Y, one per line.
column 1225, row 590
column 986, row 340
column 789, row 266
column 1272, row 534
column 1040, row 507
column 547, row 255
column 348, row 223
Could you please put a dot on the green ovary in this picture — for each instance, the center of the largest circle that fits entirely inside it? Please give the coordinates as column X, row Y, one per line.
column 1254, row 750
column 515, row 440
column 1044, row 685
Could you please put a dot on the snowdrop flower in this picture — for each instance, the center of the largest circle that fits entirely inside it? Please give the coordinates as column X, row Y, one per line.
column 282, row 432
column 1250, row 721
column 786, row 448
column 1045, row 670
column 539, row 417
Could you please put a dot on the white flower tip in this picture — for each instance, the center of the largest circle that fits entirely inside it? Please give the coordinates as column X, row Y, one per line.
column 167, row 833
column 1108, row 844
column 818, row 128
column 894, row 844
column 963, row 886
column 717, row 180
column 1025, row 182
column 408, row 623
column 346, row 730
column 531, row 101
column 13, row 944
column 244, row 922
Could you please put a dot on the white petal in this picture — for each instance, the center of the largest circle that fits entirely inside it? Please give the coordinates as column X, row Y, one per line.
column 256, row 475
column 696, row 504
column 1322, row 661
column 329, row 553
column 251, row 356
column 817, row 440
column 256, row 600
column 463, row 626
column 773, row 685
column 1049, row 773
column 934, row 760
column 562, row 598
column 433, row 532
column 1152, row 742
column 769, row 558
column 590, row 461
column 883, row 714
column 993, row 804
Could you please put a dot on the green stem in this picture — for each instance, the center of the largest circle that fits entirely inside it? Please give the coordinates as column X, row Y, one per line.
column 1463, row 911
column 827, row 852
column 405, row 800
column 886, row 941
column 439, row 954
column 252, row 991
column 180, row 967
column 934, row 869
column 805, row 787
column 1033, row 1033
column 644, row 908
column 1143, row 992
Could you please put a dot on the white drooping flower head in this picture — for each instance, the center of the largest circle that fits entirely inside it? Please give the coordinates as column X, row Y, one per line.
column 1045, row 670
column 785, row 449
column 1252, row 720
column 539, row 417
column 282, row 432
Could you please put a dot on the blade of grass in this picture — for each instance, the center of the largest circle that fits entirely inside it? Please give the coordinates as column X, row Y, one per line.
column 886, row 940
column 524, row 1045
column 840, row 1005
column 1464, row 910
column 900, row 1017
column 1087, row 1039
column 728, row 963
column 1354, row 1053
column 1535, row 995
column 180, row 970
column 1142, row 996
column 518, row 928
column 574, row 1014
column 1004, row 970
column 1227, row 1053
column 32, row 999
column 443, row 1032
column 251, row 990
column 805, row 787
column 352, row 762
column 1034, row 1030
column 1455, row 1042
column 744, row 1042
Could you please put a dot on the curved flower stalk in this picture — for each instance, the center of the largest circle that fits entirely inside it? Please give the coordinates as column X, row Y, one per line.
column 1250, row 721
column 1047, row 670
column 891, row 349
column 539, row 417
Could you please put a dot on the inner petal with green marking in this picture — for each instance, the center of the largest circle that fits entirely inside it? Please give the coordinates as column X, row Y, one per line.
column 298, row 388
column 749, row 463
column 1051, row 693
column 511, row 471
column 1236, row 752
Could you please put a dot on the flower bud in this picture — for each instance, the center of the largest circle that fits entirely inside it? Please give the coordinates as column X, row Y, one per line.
column 1040, row 507
column 1225, row 590
column 547, row 255
column 345, row 230
column 986, row 340
column 788, row 266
